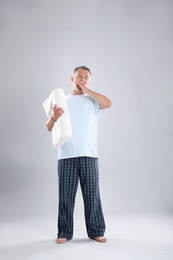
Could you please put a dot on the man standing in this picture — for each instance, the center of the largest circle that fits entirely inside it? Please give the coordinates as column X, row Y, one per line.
column 78, row 158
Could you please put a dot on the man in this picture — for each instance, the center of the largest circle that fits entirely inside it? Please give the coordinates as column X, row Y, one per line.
column 78, row 158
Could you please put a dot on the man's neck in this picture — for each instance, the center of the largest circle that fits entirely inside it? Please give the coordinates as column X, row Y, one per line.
column 77, row 93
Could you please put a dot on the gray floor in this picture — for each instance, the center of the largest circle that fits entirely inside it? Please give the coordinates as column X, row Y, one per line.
column 129, row 238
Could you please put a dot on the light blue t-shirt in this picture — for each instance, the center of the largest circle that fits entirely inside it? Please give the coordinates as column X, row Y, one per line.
column 84, row 113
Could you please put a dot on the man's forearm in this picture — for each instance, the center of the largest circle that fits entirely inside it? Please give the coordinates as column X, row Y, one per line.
column 50, row 123
column 103, row 101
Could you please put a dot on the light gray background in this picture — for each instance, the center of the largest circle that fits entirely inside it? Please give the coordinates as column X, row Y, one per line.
column 128, row 46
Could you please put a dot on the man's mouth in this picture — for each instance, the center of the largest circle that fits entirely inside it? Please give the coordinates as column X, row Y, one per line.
column 78, row 87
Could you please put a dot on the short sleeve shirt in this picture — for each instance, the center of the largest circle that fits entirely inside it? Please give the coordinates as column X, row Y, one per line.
column 84, row 113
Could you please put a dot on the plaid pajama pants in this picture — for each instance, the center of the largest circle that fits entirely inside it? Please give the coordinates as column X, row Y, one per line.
column 70, row 172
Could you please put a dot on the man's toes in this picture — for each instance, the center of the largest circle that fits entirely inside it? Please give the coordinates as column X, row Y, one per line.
column 61, row 240
column 100, row 239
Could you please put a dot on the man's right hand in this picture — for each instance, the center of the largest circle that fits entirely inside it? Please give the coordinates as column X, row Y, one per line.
column 56, row 112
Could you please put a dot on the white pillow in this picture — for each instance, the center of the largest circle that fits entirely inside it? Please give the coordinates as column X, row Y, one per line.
column 62, row 130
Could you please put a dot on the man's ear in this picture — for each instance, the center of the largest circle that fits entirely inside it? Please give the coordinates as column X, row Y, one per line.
column 72, row 79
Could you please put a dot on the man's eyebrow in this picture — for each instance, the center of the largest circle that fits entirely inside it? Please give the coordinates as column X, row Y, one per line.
column 83, row 75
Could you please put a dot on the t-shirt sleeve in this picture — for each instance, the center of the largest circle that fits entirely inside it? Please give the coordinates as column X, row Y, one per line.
column 98, row 109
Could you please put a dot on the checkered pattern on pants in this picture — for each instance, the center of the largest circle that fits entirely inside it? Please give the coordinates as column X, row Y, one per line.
column 70, row 172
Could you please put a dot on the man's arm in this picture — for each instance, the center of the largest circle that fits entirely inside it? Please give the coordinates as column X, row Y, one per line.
column 55, row 114
column 104, row 102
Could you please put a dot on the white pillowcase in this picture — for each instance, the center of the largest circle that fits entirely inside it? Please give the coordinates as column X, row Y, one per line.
column 61, row 131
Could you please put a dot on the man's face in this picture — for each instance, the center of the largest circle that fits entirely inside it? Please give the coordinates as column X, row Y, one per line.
column 81, row 77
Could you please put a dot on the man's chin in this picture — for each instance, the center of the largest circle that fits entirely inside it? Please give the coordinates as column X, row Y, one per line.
column 79, row 90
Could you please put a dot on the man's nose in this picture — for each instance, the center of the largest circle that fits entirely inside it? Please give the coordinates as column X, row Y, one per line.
column 82, row 79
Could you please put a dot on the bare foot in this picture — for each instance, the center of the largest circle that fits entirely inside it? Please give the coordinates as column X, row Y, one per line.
column 61, row 240
column 100, row 239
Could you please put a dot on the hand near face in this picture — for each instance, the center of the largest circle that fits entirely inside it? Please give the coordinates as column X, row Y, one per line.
column 82, row 86
column 81, row 80
column 56, row 112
